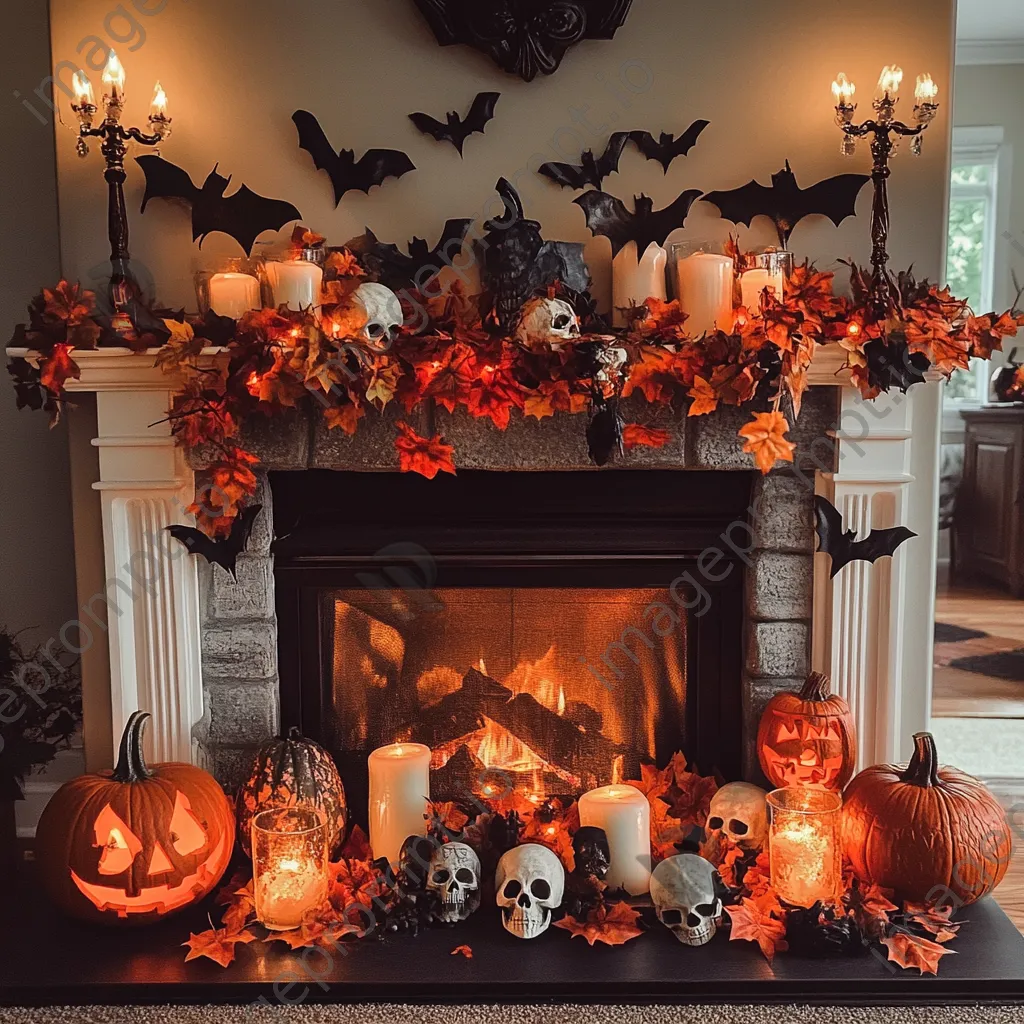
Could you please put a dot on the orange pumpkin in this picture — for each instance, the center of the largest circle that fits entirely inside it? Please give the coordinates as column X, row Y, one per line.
column 920, row 829
column 808, row 739
column 134, row 845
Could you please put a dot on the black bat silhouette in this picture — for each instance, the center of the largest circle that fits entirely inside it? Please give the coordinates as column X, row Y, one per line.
column 667, row 147
column 422, row 264
column 219, row 552
column 787, row 204
column 593, row 169
column 243, row 215
column 608, row 216
column 843, row 546
column 346, row 173
column 458, row 129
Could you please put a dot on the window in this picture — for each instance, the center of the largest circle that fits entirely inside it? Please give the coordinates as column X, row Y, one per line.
column 974, row 238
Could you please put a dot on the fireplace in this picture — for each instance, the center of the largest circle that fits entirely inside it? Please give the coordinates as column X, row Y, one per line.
column 551, row 632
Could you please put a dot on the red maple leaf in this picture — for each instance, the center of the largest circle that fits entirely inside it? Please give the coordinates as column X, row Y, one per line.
column 913, row 951
column 752, row 924
column 634, row 435
column 216, row 944
column 613, row 925
column 426, row 456
column 466, row 951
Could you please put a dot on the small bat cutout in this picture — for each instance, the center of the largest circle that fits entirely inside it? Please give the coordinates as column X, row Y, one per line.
column 843, row 546
column 787, row 204
column 593, row 170
column 421, row 265
column 244, row 215
column 607, row 215
column 458, row 129
column 220, row 552
column 666, row 148
column 346, row 173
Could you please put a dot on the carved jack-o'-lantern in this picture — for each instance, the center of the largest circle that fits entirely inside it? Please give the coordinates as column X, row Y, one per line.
column 134, row 845
column 808, row 738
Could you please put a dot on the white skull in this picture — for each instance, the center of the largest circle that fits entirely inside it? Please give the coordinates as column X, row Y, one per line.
column 683, row 891
column 547, row 323
column 529, row 883
column 738, row 812
column 455, row 877
column 383, row 311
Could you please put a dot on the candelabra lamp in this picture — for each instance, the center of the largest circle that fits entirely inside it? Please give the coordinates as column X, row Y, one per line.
column 885, row 131
column 124, row 292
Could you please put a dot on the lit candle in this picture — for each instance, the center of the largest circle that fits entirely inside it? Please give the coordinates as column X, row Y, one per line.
column 705, row 282
column 927, row 91
column 290, row 860
column 625, row 815
column 113, row 77
column 803, row 845
column 83, row 89
column 843, row 90
column 634, row 281
column 234, row 294
column 158, row 108
column 399, row 791
column 754, row 282
column 889, row 82
column 296, row 283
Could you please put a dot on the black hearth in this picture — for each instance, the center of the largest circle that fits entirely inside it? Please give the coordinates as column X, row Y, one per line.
column 556, row 629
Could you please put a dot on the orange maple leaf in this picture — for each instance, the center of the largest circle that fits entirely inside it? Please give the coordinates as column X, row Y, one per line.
column 216, row 944
column 447, row 817
column 466, row 951
column 613, row 925
column 752, row 924
column 357, row 845
column 689, row 798
column 935, row 919
column 913, row 951
column 765, row 437
column 426, row 456
column 56, row 368
column 705, row 398
column 634, row 435
column 344, row 417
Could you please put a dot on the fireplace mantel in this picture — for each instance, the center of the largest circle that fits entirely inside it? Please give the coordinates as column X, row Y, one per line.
column 145, row 485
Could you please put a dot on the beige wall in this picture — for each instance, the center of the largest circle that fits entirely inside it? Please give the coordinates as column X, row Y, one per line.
column 36, row 558
column 235, row 70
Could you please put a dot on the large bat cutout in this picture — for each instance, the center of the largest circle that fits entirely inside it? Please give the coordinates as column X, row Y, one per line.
column 593, row 170
column 458, row 129
column 608, row 216
column 422, row 264
column 243, row 215
column 219, row 552
column 346, row 173
column 667, row 147
column 787, row 204
column 843, row 546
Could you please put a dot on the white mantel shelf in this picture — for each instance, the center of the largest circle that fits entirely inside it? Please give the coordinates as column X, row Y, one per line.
column 145, row 485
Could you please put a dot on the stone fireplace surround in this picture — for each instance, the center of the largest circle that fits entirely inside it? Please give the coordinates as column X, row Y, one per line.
column 200, row 652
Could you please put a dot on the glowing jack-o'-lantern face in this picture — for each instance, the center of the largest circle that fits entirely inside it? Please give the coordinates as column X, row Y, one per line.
column 807, row 738
column 137, row 844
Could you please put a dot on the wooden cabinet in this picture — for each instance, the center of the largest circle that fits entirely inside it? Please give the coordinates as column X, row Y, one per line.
column 989, row 520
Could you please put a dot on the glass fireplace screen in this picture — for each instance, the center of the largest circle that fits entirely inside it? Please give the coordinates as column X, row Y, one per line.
column 557, row 689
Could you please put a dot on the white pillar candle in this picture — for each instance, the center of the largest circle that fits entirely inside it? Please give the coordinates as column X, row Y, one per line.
column 705, row 282
column 296, row 284
column 754, row 282
column 634, row 281
column 234, row 294
column 625, row 815
column 399, row 791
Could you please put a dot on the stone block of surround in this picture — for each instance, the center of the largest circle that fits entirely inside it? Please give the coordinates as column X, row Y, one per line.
column 783, row 517
column 780, row 586
column 249, row 596
column 244, row 712
column 777, row 650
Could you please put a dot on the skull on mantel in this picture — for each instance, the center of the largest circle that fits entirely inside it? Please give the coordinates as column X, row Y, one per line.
column 454, row 879
column 547, row 324
column 383, row 311
column 684, row 892
column 529, row 884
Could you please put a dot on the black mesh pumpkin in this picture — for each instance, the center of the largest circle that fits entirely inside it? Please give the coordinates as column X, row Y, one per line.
column 290, row 771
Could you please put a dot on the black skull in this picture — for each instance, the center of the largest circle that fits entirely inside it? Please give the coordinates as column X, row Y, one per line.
column 590, row 845
column 414, row 863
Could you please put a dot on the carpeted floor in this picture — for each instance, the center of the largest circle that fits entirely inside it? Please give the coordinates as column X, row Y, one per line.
column 516, row 1015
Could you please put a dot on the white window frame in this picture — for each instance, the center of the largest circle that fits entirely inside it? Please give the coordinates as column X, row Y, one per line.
column 973, row 146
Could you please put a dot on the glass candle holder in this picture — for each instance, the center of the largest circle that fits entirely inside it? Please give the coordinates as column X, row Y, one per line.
column 804, row 845
column 290, row 865
column 231, row 288
column 769, row 269
column 296, row 278
column 704, row 286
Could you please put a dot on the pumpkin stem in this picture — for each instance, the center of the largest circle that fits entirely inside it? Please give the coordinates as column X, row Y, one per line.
column 131, row 765
column 816, row 688
column 923, row 769
column 294, row 734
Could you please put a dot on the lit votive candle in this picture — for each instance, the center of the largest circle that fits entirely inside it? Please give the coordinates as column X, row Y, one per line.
column 753, row 284
column 803, row 845
column 705, row 282
column 295, row 283
column 289, row 859
column 625, row 815
column 399, row 791
column 635, row 281
column 234, row 294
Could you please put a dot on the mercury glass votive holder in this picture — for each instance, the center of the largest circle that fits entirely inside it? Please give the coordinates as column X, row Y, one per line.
column 804, row 846
column 290, row 865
